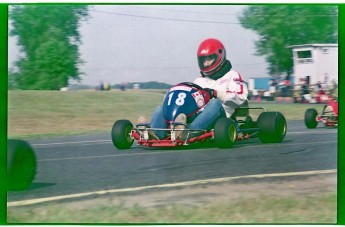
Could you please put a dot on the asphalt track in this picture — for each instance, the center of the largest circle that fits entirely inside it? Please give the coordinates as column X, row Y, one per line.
column 84, row 165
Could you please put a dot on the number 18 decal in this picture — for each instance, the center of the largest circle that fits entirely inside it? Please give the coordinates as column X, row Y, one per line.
column 180, row 100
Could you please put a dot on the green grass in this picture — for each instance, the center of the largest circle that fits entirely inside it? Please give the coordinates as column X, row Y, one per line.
column 36, row 113
column 53, row 112
column 263, row 209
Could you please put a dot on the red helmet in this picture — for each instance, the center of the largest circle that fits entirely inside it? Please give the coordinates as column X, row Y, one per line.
column 211, row 55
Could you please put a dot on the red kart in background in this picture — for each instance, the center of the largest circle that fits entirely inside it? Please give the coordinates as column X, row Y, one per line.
column 328, row 116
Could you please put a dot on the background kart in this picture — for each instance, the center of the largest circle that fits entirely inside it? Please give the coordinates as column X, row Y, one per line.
column 328, row 116
column 189, row 98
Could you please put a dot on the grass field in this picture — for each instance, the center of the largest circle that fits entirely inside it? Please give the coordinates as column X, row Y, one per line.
column 262, row 209
column 37, row 113
column 33, row 113
column 49, row 113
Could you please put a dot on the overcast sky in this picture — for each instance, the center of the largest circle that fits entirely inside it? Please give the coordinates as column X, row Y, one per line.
column 138, row 43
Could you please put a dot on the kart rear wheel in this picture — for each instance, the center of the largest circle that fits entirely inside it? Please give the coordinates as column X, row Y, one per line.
column 121, row 134
column 310, row 118
column 21, row 165
column 225, row 133
column 272, row 127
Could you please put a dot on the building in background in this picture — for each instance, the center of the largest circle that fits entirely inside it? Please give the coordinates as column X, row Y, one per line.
column 259, row 88
column 315, row 63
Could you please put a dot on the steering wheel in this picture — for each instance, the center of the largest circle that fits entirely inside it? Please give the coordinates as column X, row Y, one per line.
column 190, row 84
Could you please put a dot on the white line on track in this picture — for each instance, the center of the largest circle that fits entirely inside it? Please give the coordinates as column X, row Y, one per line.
column 314, row 132
column 73, row 142
column 109, row 141
column 178, row 151
column 186, row 183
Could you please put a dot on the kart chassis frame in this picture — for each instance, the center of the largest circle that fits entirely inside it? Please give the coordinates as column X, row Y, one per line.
column 145, row 135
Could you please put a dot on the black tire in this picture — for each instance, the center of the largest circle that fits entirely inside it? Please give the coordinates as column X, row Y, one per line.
column 225, row 133
column 21, row 165
column 272, row 127
column 310, row 118
column 121, row 134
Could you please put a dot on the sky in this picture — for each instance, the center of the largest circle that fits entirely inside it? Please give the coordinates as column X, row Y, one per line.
column 141, row 43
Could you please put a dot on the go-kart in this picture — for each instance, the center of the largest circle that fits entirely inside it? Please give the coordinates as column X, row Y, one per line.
column 328, row 116
column 189, row 98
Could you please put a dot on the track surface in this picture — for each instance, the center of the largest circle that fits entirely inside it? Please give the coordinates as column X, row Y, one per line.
column 88, row 163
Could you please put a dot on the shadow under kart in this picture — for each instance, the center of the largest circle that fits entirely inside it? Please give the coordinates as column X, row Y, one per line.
column 270, row 127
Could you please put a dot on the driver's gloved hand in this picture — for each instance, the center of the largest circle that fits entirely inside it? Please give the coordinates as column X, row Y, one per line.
column 211, row 92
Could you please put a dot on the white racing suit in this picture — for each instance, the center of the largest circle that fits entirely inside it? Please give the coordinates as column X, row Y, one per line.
column 231, row 90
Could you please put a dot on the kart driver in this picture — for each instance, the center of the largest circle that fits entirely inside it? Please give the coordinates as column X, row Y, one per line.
column 225, row 86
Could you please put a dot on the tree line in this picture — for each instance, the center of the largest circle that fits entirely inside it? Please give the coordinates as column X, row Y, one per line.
column 49, row 39
column 281, row 26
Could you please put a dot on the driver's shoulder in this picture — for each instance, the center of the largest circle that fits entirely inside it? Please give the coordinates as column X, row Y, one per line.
column 201, row 80
column 232, row 73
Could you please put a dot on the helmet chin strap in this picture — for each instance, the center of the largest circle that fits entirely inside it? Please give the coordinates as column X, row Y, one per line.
column 225, row 67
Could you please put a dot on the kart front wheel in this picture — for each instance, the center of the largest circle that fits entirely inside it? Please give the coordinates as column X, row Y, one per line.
column 272, row 127
column 121, row 134
column 310, row 118
column 21, row 165
column 225, row 133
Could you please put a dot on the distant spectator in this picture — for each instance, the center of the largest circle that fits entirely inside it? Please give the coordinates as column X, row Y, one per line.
column 304, row 91
column 272, row 87
column 287, row 83
column 318, row 87
column 256, row 94
column 285, row 86
column 333, row 90
column 123, row 86
column 325, row 84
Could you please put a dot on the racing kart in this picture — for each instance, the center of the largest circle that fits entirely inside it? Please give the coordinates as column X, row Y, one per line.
column 189, row 98
column 328, row 116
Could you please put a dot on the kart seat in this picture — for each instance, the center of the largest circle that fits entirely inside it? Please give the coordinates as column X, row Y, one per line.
column 241, row 112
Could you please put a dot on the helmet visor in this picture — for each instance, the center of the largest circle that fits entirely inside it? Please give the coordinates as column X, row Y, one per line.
column 208, row 61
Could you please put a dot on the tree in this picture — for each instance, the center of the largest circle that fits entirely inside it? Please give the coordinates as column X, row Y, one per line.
column 48, row 37
column 280, row 26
